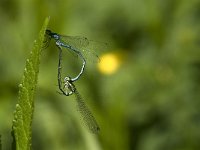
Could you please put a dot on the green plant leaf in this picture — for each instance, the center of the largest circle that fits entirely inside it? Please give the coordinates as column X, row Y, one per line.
column 0, row 143
column 23, row 114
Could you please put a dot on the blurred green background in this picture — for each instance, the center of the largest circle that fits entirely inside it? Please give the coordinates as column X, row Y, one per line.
column 145, row 93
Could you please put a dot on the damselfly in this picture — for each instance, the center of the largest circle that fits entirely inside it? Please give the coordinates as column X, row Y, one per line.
column 67, row 88
column 80, row 46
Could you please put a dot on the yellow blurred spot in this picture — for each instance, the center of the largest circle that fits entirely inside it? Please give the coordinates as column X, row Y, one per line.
column 109, row 63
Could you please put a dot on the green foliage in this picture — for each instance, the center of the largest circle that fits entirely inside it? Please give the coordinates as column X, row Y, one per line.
column 23, row 115
column 150, row 103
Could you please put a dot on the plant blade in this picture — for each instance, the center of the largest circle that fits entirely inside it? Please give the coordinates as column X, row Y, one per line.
column 23, row 114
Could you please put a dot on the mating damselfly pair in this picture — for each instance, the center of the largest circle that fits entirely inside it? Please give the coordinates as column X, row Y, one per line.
column 84, row 49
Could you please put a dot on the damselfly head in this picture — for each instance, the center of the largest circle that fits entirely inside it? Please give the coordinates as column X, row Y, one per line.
column 47, row 39
column 52, row 34
column 48, row 32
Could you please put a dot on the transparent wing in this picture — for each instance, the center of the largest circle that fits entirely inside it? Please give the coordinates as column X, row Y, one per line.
column 88, row 48
column 75, row 41
column 86, row 114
